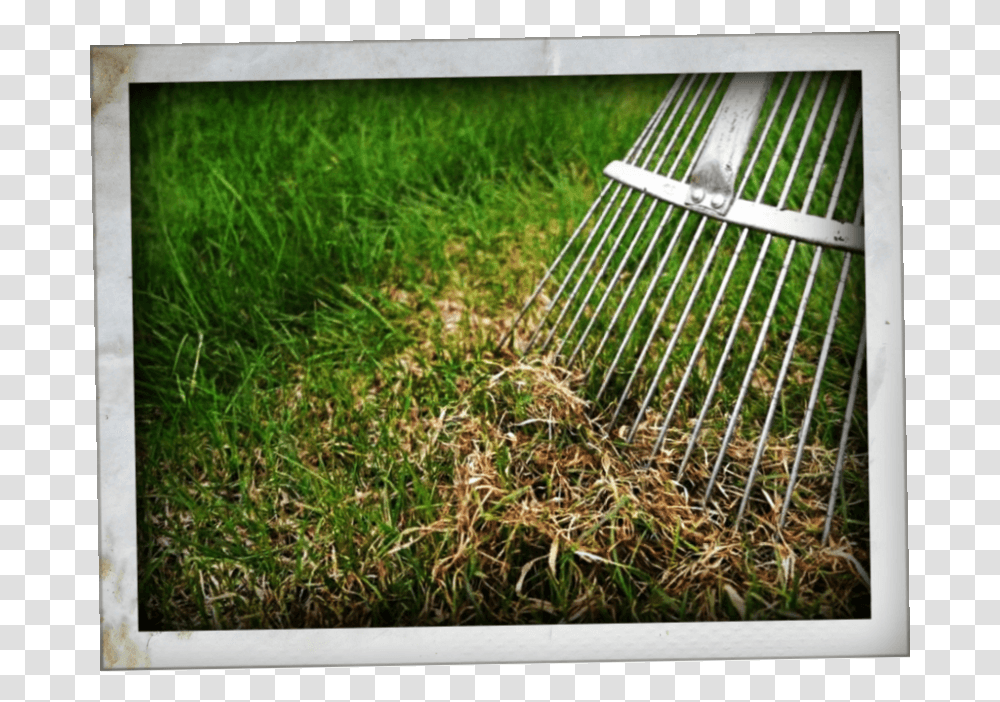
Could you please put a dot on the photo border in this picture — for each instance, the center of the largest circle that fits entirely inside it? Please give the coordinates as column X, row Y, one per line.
column 113, row 68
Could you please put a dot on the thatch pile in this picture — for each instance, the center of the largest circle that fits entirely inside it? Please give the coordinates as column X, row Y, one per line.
column 536, row 476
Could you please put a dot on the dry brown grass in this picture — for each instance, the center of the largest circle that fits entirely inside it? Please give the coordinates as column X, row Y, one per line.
column 551, row 475
column 546, row 501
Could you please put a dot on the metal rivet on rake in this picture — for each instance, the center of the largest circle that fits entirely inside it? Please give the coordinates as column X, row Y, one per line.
column 718, row 201
column 697, row 194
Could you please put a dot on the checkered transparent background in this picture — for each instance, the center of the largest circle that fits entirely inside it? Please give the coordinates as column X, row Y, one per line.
column 950, row 70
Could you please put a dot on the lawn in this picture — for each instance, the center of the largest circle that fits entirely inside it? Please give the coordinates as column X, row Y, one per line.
column 327, row 433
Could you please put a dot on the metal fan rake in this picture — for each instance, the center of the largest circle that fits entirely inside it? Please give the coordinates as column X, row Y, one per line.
column 643, row 295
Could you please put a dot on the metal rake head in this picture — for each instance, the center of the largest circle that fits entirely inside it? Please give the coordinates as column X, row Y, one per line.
column 697, row 278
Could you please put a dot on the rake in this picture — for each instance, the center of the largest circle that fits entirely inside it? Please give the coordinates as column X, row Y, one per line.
column 763, row 162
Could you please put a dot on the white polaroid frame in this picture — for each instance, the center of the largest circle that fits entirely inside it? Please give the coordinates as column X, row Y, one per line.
column 876, row 55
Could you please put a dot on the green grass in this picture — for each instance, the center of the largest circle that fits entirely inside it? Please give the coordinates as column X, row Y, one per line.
column 256, row 204
column 320, row 273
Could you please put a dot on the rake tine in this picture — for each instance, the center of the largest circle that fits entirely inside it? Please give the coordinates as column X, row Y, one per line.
column 821, row 364
column 714, row 384
column 635, row 240
column 632, row 154
column 634, row 281
column 842, row 451
column 631, row 286
column 576, row 262
column 729, row 270
column 509, row 336
column 734, row 418
column 654, row 280
column 615, row 278
column 663, row 132
column 660, row 269
column 659, row 320
column 748, row 376
column 803, row 303
column 624, row 260
column 662, row 110
column 782, row 374
column 839, row 183
column 597, row 250
column 585, row 270
column 814, row 393
column 679, row 327
column 607, row 261
column 593, row 232
column 751, row 284
column 658, row 444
